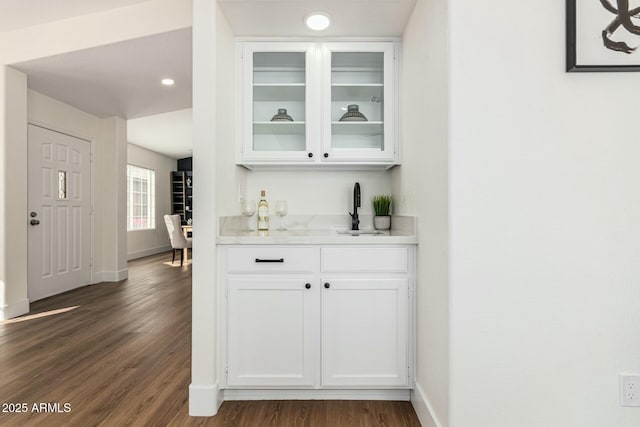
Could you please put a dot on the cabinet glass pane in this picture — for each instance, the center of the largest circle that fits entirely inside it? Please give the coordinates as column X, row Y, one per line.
column 279, row 101
column 357, row 100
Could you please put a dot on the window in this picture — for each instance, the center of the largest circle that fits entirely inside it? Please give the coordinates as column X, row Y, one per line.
column 62, row 185
column 141, row 198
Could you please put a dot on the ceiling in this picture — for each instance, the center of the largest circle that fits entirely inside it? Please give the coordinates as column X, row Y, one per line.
column 123, row 79
column 350, row 18
column 167, row 133
column 25, row 13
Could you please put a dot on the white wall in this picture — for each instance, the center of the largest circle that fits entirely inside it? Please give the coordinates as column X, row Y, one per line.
column 110, row 200
column 317, row 192
column 420, row 187
column 119, row 195
column 3, row 204
column 204, row 395
column 142, row 243
column 13, row 223
column 48, row 39
column 96, row 29
column 229, row 177
column 107, row 137
column 545, row 225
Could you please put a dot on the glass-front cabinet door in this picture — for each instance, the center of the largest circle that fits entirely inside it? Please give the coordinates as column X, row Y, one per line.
column 279, row 123
column 360, row 106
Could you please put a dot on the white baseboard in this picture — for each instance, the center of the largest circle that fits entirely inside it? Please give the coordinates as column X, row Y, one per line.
column 232, row 394
column 204, row 400
column 110, row 276
column 423, row 408
column 148, row 252
column 14, row 309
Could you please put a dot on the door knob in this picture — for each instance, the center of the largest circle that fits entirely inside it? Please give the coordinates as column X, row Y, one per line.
column 327, row 285
column 34, row 222
column 308, row 286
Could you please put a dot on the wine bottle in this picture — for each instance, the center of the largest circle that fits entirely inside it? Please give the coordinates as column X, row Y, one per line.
column 263, row 212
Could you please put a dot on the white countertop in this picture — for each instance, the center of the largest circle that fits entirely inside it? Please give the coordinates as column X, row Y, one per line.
column 323, row 231
column 315, row 237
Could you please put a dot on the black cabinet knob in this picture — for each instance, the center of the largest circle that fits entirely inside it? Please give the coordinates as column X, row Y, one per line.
column 326, row 155
column 327, row 285
column 310, row 155
column 308, row 286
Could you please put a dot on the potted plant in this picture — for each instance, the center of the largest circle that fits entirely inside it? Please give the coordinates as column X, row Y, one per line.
column 382, row 209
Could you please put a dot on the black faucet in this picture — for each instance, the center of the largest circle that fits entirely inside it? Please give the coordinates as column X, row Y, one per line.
column 355, row 221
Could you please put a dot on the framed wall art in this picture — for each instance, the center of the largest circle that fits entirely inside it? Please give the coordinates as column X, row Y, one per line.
column 603, row 35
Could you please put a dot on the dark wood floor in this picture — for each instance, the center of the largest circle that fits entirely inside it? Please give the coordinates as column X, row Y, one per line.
column 119, row 354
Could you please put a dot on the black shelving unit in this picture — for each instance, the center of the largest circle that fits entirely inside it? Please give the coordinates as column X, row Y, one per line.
column 182, row 195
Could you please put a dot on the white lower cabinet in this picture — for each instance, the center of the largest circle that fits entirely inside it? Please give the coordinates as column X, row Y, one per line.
column 330, row 328
column 364, row 332
column 270, row 332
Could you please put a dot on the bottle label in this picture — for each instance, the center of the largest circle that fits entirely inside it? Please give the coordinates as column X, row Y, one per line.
column 263, row 218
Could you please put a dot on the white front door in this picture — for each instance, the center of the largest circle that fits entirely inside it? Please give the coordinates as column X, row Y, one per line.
column 59, row 209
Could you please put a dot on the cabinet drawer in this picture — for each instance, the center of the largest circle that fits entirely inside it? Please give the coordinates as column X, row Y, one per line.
column 266, row 260
column 348, row 260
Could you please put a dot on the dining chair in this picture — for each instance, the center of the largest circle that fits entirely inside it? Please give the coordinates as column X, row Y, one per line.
column 178, row 241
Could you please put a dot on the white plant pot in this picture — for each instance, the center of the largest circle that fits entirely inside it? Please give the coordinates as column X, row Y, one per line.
column 382, row 222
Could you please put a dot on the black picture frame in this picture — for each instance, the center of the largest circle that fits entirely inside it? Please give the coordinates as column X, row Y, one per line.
column 573, row 62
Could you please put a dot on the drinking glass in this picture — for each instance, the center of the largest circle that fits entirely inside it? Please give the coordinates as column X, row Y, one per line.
column 248, row 209
column 282, row 209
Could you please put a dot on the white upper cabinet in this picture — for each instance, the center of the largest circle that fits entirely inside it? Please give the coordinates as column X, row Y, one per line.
column 278, row 123
column 318, row 103
column 359, row 102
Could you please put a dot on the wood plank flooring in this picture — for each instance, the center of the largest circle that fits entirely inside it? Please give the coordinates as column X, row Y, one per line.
column 119, row 355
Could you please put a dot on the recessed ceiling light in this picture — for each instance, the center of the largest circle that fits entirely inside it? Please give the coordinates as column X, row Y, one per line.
column 317, row 21
column 167, row 82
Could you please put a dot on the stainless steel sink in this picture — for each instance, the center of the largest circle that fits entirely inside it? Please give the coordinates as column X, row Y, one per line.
column 359, row 232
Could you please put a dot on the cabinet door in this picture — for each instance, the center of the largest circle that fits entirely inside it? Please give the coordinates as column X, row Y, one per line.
column 364, row 332
column 279, row 76
column 362, row 77
column 270, row 331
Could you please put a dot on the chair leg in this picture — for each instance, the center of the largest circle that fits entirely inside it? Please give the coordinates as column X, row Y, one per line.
column 173, row 258
column 181, row 257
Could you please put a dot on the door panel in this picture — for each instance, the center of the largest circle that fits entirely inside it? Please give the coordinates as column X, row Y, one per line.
column 59, row 209
column 364, row 332
column 361, row 74
column 270, row 332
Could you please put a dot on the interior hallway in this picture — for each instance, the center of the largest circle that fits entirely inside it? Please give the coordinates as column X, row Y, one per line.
column 119, row 354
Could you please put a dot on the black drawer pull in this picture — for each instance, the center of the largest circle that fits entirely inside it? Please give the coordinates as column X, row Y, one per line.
column 308, row 286
column 269, row 260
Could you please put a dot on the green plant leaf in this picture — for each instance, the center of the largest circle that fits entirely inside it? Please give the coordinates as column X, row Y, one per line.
column 382, row 205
